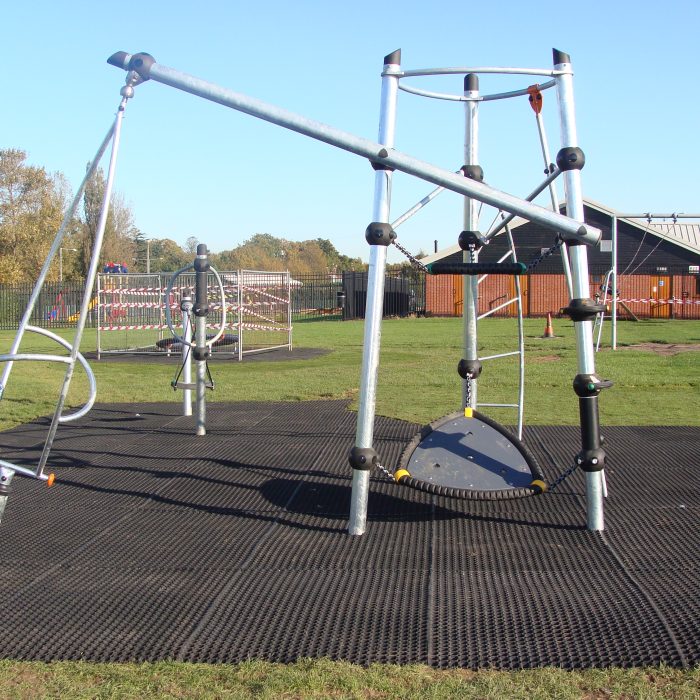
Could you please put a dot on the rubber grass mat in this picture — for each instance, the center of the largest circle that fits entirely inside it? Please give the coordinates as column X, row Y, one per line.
column 156, row 544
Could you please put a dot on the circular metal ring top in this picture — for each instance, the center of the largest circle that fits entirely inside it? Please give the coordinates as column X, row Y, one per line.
column 464, row 71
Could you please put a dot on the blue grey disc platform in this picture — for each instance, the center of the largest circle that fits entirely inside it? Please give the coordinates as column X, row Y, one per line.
column 468, row 453
column 158, row 544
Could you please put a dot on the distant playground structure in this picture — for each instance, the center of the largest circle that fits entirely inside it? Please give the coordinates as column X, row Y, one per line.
column 131, row 312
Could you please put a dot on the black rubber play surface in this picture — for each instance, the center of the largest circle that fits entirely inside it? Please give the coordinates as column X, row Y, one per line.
column 156, row 544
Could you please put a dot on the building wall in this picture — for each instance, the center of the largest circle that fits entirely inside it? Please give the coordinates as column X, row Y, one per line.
column 653, row 295
column 639, row 250
column 651, row 272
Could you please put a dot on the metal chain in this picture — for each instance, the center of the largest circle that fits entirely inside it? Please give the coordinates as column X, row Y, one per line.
column 564, row 475
column 417, row 264
column 468, row 387
column 385, row 471
column 547, row 253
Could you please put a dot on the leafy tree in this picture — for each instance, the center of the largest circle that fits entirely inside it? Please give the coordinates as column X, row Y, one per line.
column 119, row 242
column 338, row 261
column 191, row 245
column 31, row 210
column 168, row 256
column 266, row 252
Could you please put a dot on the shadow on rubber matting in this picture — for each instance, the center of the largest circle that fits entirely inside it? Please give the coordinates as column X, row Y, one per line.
column 156, row 544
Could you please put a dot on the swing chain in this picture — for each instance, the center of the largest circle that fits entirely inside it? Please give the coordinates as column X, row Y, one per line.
column 547, row 253
column 415, row 262
column 385, row 471
column 562, row 477
column 418, row 265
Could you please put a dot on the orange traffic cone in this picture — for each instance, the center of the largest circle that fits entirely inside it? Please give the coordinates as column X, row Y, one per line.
column 548, row 330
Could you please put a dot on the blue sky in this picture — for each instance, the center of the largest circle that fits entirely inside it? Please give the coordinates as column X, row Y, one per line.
column 191, row 168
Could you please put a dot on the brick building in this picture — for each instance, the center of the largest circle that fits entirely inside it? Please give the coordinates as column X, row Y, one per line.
column 658, row 269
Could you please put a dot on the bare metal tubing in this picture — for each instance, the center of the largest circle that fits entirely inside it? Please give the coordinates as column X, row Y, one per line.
column 613, row 320
column 535, row 193
column 357, row 520
column 470, row 221
column 201, row 309
column 456, row 70
column 15, row 357
column 126, row 92
column 169, row 316
column 366, row 148
column 579, row 270
column 481, row 98
column 417, row 207
column 186, row 307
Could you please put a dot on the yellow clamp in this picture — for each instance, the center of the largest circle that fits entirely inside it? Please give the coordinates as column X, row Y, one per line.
column 400, row 473
column 468, row 412
column 539, row 484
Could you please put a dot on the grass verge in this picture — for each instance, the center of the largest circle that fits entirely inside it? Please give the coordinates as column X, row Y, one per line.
column 322, row 678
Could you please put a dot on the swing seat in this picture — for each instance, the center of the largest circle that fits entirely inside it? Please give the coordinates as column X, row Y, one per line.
column 470, row 456
column 173, row 345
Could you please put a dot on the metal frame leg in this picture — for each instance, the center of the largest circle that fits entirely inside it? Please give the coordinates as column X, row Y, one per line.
column 470, row 283
column 588, row 404
column 375, row 301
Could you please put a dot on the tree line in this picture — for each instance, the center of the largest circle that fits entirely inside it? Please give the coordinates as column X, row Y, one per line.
column 33, row 203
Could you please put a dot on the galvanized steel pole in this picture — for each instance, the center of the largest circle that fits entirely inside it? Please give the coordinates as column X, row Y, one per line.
column 201, row 351
column 470, row 283
column 579, row 269
column 375, row 300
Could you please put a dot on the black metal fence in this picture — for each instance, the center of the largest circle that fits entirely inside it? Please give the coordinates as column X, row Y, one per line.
column 313, row 297
column 57, row 306
column 649, row 293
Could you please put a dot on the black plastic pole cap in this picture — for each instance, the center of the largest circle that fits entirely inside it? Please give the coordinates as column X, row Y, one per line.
column 393, row 57
column 471, row 82
column 120, row 59
column 560, row 57
column 140, row 62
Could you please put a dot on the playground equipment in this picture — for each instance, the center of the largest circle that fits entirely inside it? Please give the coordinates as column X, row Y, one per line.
column 201, row 347
column 131, row 311
column 443, row 458
column 9, row 469
column 384, row 159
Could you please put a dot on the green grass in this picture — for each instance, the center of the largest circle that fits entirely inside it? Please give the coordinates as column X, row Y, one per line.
column 417, row 376
column 418, row 382
column 323, row 678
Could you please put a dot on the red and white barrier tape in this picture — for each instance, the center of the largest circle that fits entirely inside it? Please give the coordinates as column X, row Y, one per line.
column 659, row 301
